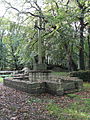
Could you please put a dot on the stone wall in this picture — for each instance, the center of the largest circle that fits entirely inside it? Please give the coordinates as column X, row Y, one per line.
column 45, row 83
column 25, row 86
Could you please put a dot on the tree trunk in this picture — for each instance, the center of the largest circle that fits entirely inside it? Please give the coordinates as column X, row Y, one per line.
column 89, row 47
column 15, row 59
column 71, row 64
column 81, row 51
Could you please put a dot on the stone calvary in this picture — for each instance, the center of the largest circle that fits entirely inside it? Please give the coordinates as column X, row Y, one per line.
column 43, row 81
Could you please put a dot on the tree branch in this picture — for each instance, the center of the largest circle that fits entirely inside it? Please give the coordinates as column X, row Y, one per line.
column 67, row 2
column 23, row 12
column 80, row 5
column 37, row 5
column 86, row 24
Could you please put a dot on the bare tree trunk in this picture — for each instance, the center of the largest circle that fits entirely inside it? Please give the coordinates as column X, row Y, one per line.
column 89, row 47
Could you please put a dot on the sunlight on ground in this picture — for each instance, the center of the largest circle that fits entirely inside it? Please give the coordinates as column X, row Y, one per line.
column 1, row 80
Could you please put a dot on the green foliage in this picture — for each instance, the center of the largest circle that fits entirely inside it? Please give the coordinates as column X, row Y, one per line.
column 72, row 112
column 85, row 75
column 34, row 100
column 72, row 95
column 86, row 85
column 1, row 80
column 54, row 109
column 3, row 49
column 38, row 100
column 78, row 110
column 60, row 36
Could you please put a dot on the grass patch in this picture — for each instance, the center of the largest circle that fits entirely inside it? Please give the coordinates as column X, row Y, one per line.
column 75, row 111
column 79, row 109
column 72, row 95
column 39, row 100
column 86, row 85
column 61, row 73
column 1, row 80
column 34, row 100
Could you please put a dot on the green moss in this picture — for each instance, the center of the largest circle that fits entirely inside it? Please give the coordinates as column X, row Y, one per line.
column 61, row 73
column 1, row 80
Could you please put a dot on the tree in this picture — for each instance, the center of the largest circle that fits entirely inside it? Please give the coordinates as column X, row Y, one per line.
column 3, row 49
column 83, row 7
column 65, row 32
column 88, row 38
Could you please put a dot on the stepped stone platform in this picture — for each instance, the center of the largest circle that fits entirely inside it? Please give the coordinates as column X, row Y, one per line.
column 37, row 82
column 6, row 72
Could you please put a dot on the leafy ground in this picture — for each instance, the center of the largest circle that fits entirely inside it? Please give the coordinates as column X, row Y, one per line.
column 17, row 105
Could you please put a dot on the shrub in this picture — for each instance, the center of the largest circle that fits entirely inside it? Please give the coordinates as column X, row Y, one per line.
column 84, row 75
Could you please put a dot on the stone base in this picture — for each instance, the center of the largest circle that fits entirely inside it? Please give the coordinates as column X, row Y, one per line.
column 39, row 75
column 54, row 88
column 39, row 67
column 43, row 81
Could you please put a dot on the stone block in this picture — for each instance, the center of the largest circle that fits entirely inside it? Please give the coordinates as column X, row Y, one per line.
column 54, row 88
column 36, row 87
column 60, row 92
column 79, row 84
column 36, row 91
column 39, row 66
column 53, row 85
column 21, row 86
column 68, row 86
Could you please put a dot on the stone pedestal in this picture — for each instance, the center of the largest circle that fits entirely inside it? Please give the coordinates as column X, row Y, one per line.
column 39, row 75
column 39, row 67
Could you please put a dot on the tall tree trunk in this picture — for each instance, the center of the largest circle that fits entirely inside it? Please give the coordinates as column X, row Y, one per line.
column 82, row 8
column 71, row 64
column 89, row 47
column 39, row 43
column 81, row 51
column 15, row 59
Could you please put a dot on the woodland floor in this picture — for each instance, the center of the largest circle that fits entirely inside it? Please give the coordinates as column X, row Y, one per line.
column 17, row 105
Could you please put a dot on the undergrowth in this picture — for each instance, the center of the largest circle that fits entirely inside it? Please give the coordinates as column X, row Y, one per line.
column 1, row 80
column 78, row 110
